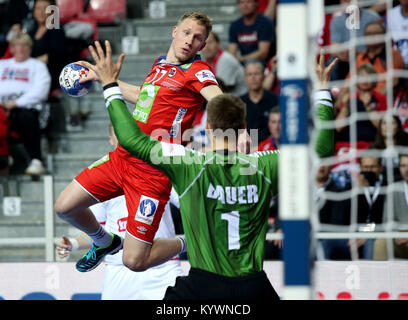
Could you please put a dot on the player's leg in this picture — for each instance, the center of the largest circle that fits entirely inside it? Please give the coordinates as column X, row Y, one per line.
column 97, row 183
column 72, row 206
column 140, row 251
column 139, row 255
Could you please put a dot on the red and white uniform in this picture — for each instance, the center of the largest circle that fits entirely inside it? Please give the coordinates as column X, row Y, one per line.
column 168, row 100
column 120, row 283
column 267, row 144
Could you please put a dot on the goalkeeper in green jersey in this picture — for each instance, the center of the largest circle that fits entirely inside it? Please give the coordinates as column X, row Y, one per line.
column 224, row 194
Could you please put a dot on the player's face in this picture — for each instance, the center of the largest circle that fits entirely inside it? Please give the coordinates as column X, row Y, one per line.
column 188, row 38
column 274, row 124
column 403, row 167
column 211, row 47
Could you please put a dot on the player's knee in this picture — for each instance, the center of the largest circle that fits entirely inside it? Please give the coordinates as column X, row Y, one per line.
column 133, row 262
column 59, row 207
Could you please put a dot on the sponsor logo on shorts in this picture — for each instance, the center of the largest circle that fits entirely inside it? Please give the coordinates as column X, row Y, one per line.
column 146, row 209
column 141, row 229
column 205, row 75
column 122, row 223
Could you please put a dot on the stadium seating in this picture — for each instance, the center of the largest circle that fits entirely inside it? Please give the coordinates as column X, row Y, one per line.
column 105, row 11
column 69, row 9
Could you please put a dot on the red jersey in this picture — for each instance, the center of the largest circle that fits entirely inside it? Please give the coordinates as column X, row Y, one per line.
column 4, row 126
column 267, row 144
column 170, row 97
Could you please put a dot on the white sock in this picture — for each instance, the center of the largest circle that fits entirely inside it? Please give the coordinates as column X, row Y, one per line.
column 101, row 238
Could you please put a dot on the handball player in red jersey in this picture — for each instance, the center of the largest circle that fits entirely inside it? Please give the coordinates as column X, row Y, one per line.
column 174, row 89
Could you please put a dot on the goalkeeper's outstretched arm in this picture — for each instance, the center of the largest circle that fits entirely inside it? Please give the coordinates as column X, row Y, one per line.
column 325, row 138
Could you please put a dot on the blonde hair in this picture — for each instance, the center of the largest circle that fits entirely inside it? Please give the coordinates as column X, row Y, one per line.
column 22, row 36
column 200, row 17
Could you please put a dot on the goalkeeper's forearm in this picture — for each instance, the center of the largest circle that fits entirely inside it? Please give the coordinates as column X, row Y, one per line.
column 127, row 131
column 325, row 137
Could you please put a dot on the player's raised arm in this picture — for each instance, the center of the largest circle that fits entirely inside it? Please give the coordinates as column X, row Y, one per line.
column 325, row 138
column 130, row 92
column 127, row 131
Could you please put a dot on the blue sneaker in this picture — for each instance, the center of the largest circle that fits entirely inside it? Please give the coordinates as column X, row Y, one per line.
column 95, row 255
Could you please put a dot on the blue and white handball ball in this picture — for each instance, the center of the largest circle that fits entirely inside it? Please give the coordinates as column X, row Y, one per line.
column 69, row 80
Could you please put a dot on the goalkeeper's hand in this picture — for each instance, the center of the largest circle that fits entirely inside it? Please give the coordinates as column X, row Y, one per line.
column 323, row 72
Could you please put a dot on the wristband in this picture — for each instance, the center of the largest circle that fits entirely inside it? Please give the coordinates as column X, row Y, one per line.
column 183, row 242
column 75, row 244
column 110, row 85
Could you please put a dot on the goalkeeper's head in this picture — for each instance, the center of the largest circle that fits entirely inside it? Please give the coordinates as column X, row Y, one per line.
column 226, row 113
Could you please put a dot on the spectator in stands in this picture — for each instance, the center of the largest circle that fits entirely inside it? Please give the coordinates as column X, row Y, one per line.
column 4, row 150
column 368, row 100
column 12, row 13
column 400, row 105
column 399, row 138
column 338, row 212
column 24, row 85
column 225, row 67
column 271, row 81
column 398, row 25
column 376, row 55
column 258, row 100
column 49, row 43
column 274, row 126
column 253, row 35
column 400, row 206
column 370, row 202
column 340, row 33
column 333, row 213
column 268, row 8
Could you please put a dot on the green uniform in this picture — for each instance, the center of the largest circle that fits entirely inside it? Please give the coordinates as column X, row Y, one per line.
column 224, row 198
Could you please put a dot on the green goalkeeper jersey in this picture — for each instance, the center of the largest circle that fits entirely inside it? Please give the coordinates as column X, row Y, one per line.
column 224, row 196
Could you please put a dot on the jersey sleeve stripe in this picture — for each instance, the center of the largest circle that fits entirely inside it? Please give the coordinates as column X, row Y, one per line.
column 112, row 93
column 322, row 95
column 109, row 99
column 324, row 102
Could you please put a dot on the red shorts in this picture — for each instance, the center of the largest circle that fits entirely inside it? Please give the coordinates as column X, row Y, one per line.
column 146, row 189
